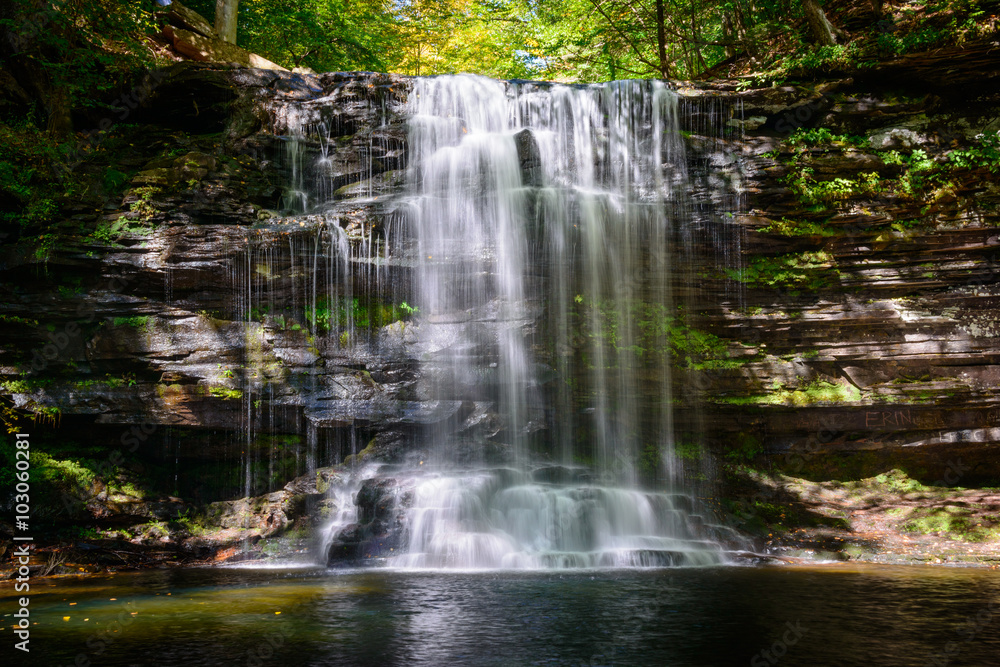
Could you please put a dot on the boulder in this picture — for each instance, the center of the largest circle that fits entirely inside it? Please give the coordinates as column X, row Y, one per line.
column 182, row 17
column 896, row 137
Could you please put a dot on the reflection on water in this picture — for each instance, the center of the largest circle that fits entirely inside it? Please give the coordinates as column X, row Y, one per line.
column 697, row 616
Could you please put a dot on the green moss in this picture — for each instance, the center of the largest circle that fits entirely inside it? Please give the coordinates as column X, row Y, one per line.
column 354, row 459
column 128, row 489
column 817, row 392
column 746, row 448
column 897, row 481
column 55, row 478
column 807, row 270
column 136, row 321
column 18, row 320
column 109, row 381
column 957, row 523
column 688, row 450
column 655, row 333
column 649, row 461
column 225, row 393
column 786, row 227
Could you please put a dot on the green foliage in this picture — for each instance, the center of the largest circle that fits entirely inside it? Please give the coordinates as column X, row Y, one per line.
column 26, row 190
column 888, row 44
column 920, row 176
column 114, row 180
column 647, row 331
column 72, row 291
column 745, row 449
column 371, row 315
column 109, row 381
column 823, row 193
column 649, row 460
column 143, row 205
column 985, row 153
column 822, row 135
column 326, row 35
column 109, row 232
column 16, row 386
column 86, row 533
column 810, row 60
column 688, row 450
column 18, row 320
column 86, row 49
column 807, row 270
column 74, row 476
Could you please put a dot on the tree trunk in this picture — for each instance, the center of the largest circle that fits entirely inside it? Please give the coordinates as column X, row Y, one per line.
column 729, row 35
column 823, row 32
column 661, row 41
column 742, row 26
column 57, row 105
column 225, row 19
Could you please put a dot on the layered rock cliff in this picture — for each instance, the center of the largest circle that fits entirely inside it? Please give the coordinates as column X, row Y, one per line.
column 172, row 333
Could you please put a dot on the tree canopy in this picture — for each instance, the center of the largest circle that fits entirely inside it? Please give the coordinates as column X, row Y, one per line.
column 568, row 40
column 592, row 40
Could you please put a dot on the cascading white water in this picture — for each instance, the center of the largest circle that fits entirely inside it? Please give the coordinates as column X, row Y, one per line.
column 505, row 518
column 545, row 229
column 548, row 206
column 468, row 214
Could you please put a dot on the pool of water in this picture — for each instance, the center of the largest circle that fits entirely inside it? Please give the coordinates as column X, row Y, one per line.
column 835, row 615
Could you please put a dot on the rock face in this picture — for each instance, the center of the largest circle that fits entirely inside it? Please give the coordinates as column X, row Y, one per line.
column 865, row 270
column 860, row 324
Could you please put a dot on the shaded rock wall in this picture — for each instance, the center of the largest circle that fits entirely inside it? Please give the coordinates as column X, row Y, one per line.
column 870, row 275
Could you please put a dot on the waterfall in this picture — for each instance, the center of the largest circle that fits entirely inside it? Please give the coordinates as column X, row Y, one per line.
column 538, row 241
column 543, row 218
